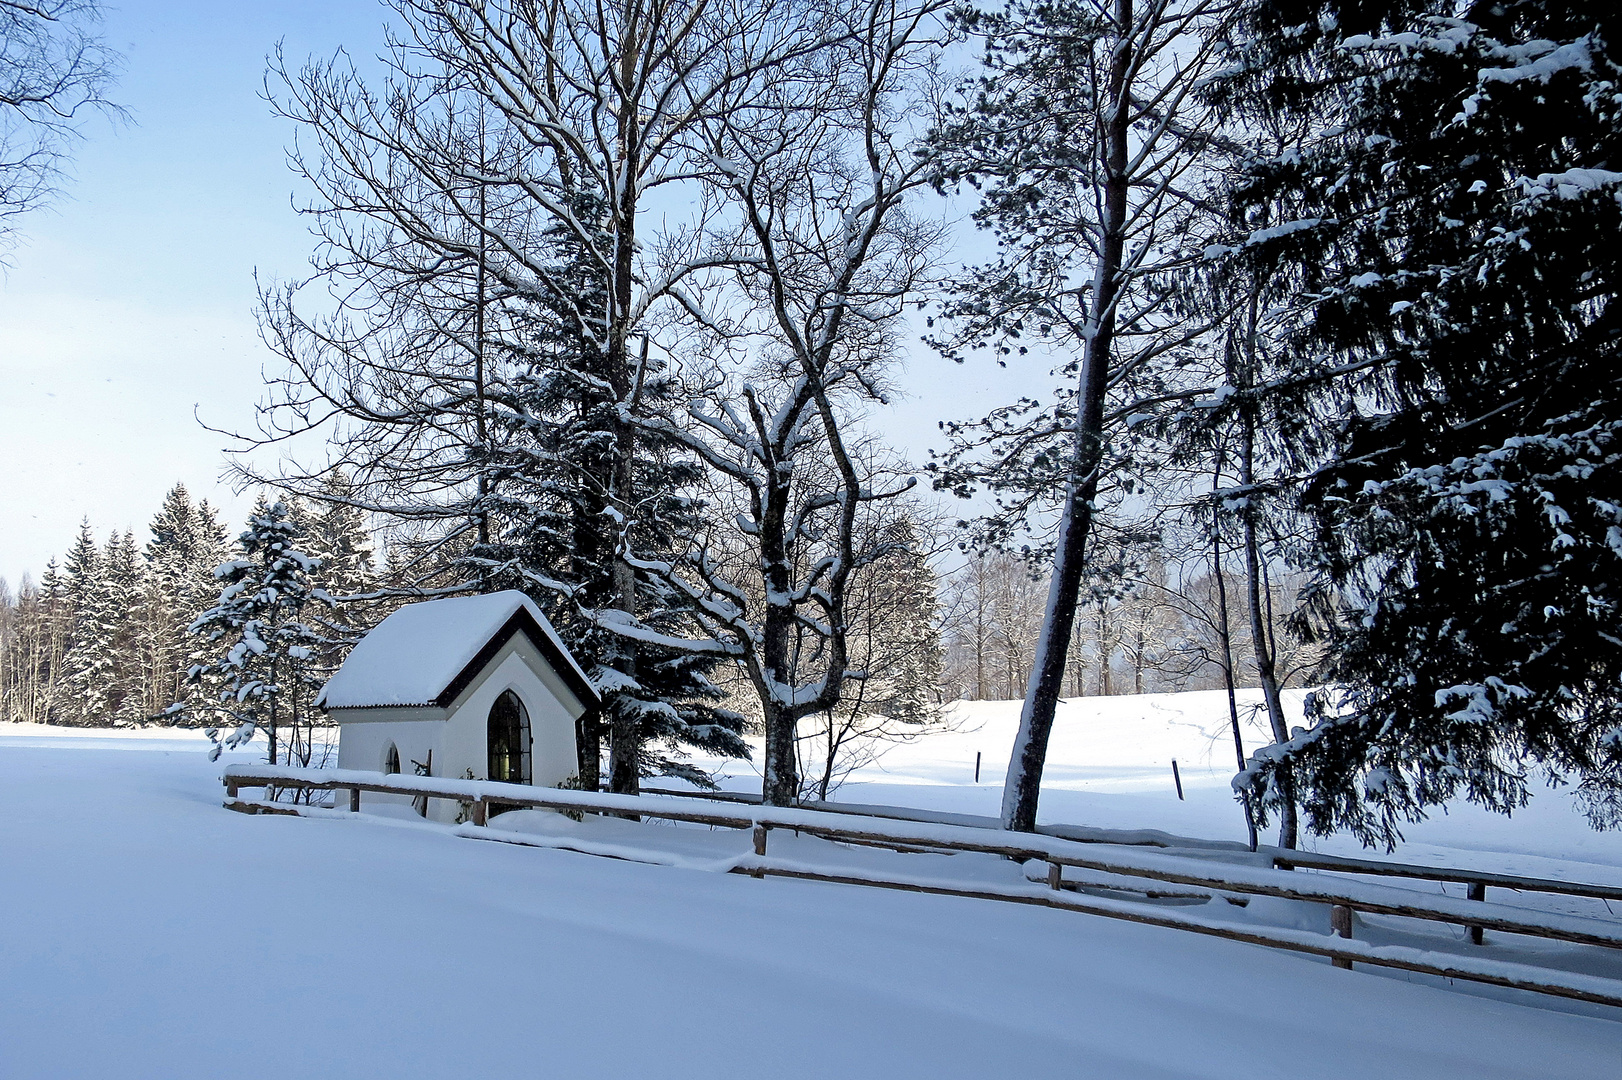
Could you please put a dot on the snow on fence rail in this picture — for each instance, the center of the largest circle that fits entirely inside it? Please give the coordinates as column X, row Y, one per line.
column 1079, row 833
column 1282, row 858
column 1344, row 896
column 1477, row 879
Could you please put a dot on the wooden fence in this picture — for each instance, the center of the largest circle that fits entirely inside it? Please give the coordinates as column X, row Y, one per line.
column 1140, row 870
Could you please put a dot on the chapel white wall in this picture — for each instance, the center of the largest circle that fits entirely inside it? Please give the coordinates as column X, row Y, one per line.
column 552, row 709
column 363, row 743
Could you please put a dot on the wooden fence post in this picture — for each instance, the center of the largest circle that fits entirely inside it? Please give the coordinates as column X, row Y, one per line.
column 1478, row 891
column 760, row 846
column 230, row 791
column 1340, row 918
column 354, row 800
column 1055, row 876
column 481, row 811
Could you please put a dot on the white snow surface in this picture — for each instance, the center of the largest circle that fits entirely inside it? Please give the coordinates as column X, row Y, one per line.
column 1109, row 767
column 149, row 933
column 411, row 656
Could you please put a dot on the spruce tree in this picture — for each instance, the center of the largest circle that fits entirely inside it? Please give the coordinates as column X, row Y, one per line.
column 54, row 616
column 86, row 659
column 1454, row 209
column 123, row 597
column 173, row 558
column 261, row 641
column 558, row 495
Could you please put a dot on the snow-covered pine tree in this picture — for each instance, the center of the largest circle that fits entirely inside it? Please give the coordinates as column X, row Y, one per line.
column 1455, row 214
column 336, row 533
column 87, row 660
column 567, row 464
column 262, row 644
column 1083, row 135
column 184, row 549
column 54, row 616
column 125, row 596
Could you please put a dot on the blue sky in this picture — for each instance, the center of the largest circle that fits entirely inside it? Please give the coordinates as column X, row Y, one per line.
column 126, row 314
column 127, row 309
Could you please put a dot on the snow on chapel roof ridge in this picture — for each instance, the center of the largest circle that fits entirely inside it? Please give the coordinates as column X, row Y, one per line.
column 411, row 657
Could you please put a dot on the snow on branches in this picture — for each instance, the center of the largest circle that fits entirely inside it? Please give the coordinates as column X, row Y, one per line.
column 262, row 671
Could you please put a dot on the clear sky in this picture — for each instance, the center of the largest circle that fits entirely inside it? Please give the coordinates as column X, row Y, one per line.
column 127, row 311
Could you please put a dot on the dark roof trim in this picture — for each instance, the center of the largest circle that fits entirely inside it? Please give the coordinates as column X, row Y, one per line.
column 523, row 621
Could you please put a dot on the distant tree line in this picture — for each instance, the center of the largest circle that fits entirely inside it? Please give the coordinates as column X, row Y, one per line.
column 102, row 638
column 1153, row 627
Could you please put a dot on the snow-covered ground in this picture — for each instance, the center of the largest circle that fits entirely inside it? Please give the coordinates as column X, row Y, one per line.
column 149, row 933
column 1109, row 766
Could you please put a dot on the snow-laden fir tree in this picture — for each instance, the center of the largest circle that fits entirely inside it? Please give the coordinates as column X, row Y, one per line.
column 1454, row 209
column 261, row 637
column 87, row 661
column 559, row 487
column 124, row 596
column 187, row 543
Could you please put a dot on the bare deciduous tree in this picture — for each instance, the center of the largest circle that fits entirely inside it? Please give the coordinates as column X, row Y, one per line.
column 54, row 68
column 823, row 255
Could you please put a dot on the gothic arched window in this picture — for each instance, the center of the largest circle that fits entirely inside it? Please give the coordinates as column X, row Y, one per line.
column 391, row 760
column 509, row 740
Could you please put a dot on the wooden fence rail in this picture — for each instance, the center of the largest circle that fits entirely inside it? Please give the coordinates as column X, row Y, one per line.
column 1476, row 879
column 1282, row 858
column 1221, row 879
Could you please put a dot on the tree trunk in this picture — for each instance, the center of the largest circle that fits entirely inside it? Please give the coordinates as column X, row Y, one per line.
column 1106, row 652
column 1261, row 639
column 1225, row 640
column 1137, row 660
column 1023, row 786
column 780, row 786
column 625, row 736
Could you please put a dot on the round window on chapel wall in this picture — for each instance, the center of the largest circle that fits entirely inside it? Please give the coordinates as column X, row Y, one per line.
column 509, row 740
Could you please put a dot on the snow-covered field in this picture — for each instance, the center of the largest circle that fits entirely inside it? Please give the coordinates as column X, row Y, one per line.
column 1109, row 766
column 149, row 933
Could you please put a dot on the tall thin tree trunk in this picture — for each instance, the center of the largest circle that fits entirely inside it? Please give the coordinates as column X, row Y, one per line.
column 481, row 431
column 1225, row 641
column 1261, row 638
column 1023, row 786
column 1106, row 652
column 1140, row 637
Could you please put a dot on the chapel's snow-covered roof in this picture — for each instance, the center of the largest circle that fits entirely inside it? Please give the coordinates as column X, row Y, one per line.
column 418, row 654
